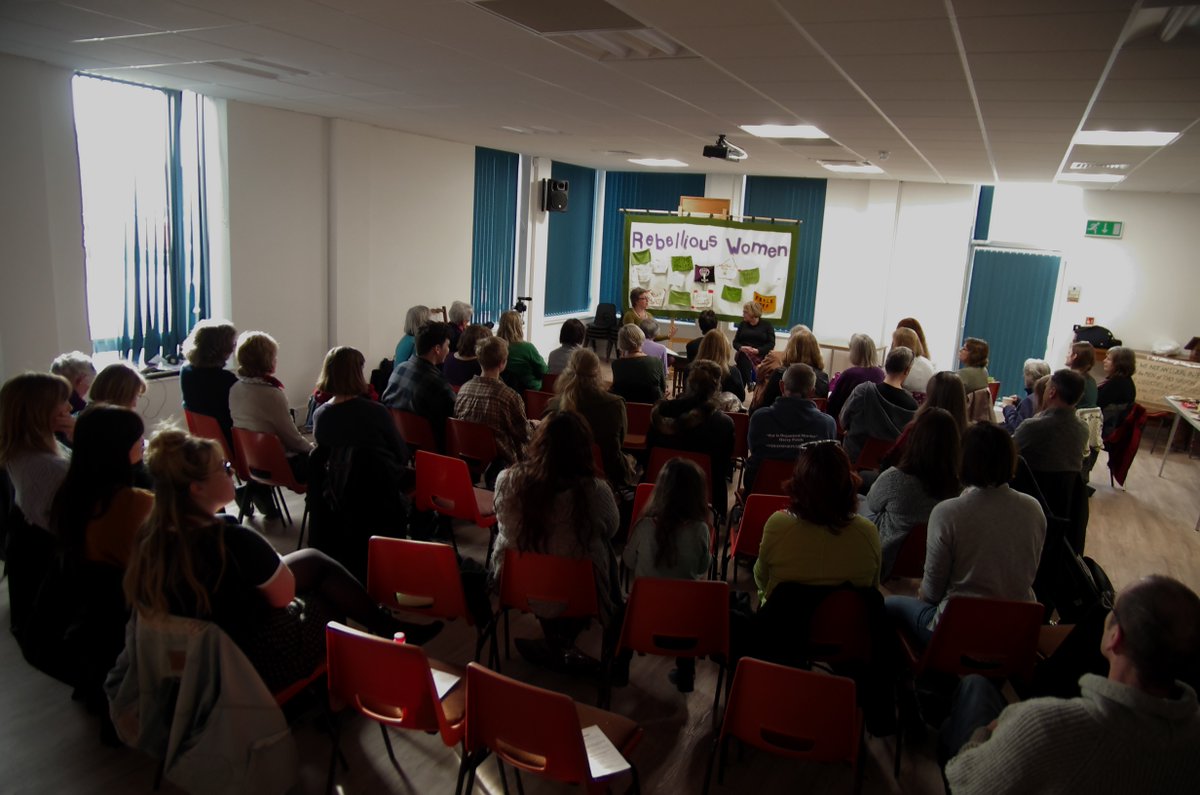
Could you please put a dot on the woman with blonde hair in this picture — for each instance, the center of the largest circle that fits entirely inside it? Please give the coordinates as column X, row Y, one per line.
column 204, row 381
column 802, row 348
column 922, row 368
column 716, row 348
column 525, row 365
column 580, row 389
column 754, row 339
column 915, row 325
column 119, row 384
column 637, row 377
column 257, row 401
column 190, row 562
column 864, row 368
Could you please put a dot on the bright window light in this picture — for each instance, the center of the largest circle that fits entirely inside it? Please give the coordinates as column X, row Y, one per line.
column 668, row 162
column 1126, row 138
column 852, row 168
column 784, row 131
column 1091, row 177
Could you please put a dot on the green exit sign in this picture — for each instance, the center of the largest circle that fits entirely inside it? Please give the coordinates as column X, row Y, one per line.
column 1104, row 229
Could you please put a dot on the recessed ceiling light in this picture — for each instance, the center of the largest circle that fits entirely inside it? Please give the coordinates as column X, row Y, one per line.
column 784, row 130
column 851, row 168
column 1091, row 177
column 1123, row 138
column 1081, row 166
column 518, row 130
column 667, row 162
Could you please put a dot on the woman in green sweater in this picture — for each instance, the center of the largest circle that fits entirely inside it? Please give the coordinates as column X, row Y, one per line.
column 525, row 365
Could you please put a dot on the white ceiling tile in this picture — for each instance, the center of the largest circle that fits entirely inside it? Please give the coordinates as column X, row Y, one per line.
column 1043, row 33
column 160, row 14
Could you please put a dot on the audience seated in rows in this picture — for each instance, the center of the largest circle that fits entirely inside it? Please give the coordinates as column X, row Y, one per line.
column 927, row 473
column 34, row 407
column 418, row 385
column 1117, row 393
column 552, row 503
column 118, row 384
column 945, row 391
column 752, row 341
column 864, row 367
column 715, row 347
column 79, row 371
column 204, row 382
column 570, row 339
column 820, row 539
column 1055, row 440
column 653, row 349
column 525, row 366
column 579, row 389
column 257, row 401
column 985, row 542
column 778, row 430
column 879, row 410
column 487, row 400
column 802, row 348
column 696, row 423
column 458, row 318
column 706, row 321
column 922, row 369
column 1081, row 359
column 1018, row 409
column 416, row 317
column 1136, row 730
column 639, row 302
column 636, row 377
column 973, row 358
column 463, row 364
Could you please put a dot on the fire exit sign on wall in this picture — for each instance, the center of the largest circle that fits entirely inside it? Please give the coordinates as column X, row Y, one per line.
column 1104, row 229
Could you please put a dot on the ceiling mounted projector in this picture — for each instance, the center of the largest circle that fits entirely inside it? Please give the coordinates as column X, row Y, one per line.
column 723, row 150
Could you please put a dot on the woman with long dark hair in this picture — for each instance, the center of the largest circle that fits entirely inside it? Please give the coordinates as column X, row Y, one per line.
column 581, row 389
column 552, row 503
column 926, row 474
column 820, row 539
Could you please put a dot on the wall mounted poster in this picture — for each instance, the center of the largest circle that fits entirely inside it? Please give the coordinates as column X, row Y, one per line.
column 693, row 264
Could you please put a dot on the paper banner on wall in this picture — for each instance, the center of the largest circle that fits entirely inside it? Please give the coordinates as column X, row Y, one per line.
column 726, row 272
column 703, row 274
column 731, row 294
column 765, row 302
column 682, row 264
column 702, row 298
column 642, row 274
column 678, row 280
column 748, row 276
column 681, row 298
column 640, row 257
column 658, row 267
column 656, row 297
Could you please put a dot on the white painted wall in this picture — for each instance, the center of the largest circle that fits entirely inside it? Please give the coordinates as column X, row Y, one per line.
column 43, row 304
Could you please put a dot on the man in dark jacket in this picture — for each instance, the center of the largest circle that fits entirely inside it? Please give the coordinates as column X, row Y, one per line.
column 879, row 410
column 778, row 430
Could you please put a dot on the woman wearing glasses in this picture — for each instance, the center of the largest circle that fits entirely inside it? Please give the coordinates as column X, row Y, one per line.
column 820, row 539
column 190, row 562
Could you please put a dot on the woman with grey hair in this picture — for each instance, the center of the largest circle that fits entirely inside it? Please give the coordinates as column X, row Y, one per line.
column 416, row 317
column 78, row 369
column 636, row 377
column 864, row 360
column 458, row 317
column 1017, row 409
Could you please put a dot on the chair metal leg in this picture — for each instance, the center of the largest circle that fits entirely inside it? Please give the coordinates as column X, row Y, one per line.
column 281, row 504
column 503, row 775
column 520, row 783
column 303, row 527
column 387, row 741
column 334, row 753
column 636, row 786
column 708, row 768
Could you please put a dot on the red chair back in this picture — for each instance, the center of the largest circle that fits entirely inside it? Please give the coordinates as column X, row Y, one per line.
column 822, row 404
column 548, row 382
column 793, row 713
column 388, row 682
column 527, row 727
column 759, row 508
column 910, row 561
column 641, row 498
column 424, row 573
column 677, row 618
column 637, row 424
column 207, row 427
column 266, row 461
column 536, row 401
column 772, row 475
column 471, row 440
column 741, row 430
column 994, row 388
column 872, row 453
column 529, row 581
column 598, row 461
column 415, row 430
column 661, row 455
column 840, row 628
column 991, row 637
column 444, row 485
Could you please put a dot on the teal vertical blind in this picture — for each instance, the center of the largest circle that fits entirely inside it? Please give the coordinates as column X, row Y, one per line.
column 569, row 245
column 494, row 242
column 803, row 200
column 142, row 172
column 983, row 212
column 1009, row 304
column 639, row 191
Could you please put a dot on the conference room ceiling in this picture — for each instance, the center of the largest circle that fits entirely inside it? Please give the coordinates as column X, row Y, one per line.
column 955, row 91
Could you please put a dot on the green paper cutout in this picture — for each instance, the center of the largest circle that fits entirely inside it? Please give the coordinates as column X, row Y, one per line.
column 682, row 264
column 748, row 276
column 680, row 297
column 640, row 257
column 729, row 293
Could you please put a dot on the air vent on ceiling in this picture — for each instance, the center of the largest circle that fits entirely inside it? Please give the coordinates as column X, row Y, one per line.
column 1081, row 166
column 589, row 27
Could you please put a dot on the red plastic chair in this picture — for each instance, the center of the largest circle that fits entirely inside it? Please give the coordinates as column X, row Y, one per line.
column 637, row 425
column 741, row 444
column 771, row 478
column 548, row 382
column 598, row 461
column 536, row 730
column 840, row 629
column 822, row 404
column 872, row 453
column 416, row 431
column 266, row 463
column 392, row 684
column 473, row 441
column 444, row 485
column 419, row 577
column 745, row 538
column 207, row 427
column 994, row 388
column 679, row 618
column 910, row 560
column 531, row 583
column 641, row 498
column 661, row 455
column 536, row 401
column 793, row 713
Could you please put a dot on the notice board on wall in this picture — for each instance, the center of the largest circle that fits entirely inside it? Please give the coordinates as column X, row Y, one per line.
column 693, row 264
column 1158, row 376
